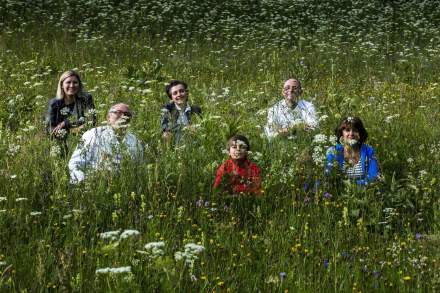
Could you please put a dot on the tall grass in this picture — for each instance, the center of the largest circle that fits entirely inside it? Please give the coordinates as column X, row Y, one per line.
column 376, row 61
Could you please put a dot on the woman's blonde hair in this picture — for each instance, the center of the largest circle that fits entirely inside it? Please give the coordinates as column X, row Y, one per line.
column 60, row 92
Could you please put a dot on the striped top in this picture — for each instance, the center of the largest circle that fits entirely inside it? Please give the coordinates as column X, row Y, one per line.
column 354, row 172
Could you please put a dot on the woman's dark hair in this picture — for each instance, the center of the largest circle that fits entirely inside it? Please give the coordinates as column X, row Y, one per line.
column 352, row 123
column 172, row 83
column 239, row 137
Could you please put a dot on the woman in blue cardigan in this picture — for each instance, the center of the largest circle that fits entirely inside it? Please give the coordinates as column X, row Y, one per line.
column 354, row 159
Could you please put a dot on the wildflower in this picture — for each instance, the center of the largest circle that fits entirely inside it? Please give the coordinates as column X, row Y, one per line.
column 283, row 275
column 13, row 176
column 327, row 195
column 320, row 138
column 418, row 236
column 129, row 233
column 2, row 263
column 155, row 249
column 35, row 213
column 407, row 278
column 199, row 203
column 21, row 199
column 326, row 263
column 55, row 151
column 119, row 270
column 112, row 235
column 3, row 198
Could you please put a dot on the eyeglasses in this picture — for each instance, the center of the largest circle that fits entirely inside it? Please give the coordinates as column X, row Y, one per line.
column 119, row 113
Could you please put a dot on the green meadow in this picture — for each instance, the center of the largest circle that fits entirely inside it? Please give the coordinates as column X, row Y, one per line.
column 158, row 227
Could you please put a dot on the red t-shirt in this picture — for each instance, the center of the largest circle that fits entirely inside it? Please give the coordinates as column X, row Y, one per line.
column 243, row 178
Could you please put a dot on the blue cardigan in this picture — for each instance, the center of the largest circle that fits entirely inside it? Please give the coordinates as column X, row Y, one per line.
column 370, row 167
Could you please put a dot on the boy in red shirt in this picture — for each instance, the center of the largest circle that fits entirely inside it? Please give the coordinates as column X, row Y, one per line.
column 238, row 174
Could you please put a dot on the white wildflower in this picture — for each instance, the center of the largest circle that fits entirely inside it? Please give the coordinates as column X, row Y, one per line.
column 65, row 111
column 129, row 233
column 155, row 249
column 320, row 138
column 2, row 198
column 35, row 213
column 55, row 151
column 21, row 199
column 119, row 270
column 13, row 176
column 194, row 248
column 112, row 235
column 3, row 263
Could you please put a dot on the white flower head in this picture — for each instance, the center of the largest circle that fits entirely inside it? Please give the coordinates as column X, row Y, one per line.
column 112, row 235
column 120, row 270
column 129, row 233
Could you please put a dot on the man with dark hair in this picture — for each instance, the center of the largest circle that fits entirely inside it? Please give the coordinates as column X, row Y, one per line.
column 177, row 114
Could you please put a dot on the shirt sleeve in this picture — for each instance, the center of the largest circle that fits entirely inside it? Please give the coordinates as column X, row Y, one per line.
column 255, row 180
column 79, row 159
column 219, row 177
column 165, row 120
column 309, row 115
column 52, row 115
column 270, row 128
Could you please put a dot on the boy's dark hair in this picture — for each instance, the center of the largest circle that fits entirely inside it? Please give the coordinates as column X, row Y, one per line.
column 172, row 83
column 238, row 137
column 353, row 123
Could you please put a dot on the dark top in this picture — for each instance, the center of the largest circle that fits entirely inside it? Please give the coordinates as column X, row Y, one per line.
column 73, row 115
column 170, row 115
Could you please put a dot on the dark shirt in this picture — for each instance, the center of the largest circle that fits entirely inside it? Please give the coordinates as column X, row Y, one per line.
column 169, row 121
column 73, row 115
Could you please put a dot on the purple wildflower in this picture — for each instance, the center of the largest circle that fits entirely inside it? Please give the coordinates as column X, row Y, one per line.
column 418, row 236
column 327, row 195
column 283, row 275
column 326, row 263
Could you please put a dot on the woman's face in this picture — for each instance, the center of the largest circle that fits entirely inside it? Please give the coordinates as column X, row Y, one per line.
column 238, row 150
column 71, row 86
column 179, row 95
column 350, row 133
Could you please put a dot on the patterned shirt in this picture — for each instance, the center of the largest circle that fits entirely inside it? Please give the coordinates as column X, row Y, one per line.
column 282, row 116
column 354, row 172
column 101, row 149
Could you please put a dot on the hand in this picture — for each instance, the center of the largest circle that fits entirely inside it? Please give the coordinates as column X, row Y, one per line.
column 58, row 127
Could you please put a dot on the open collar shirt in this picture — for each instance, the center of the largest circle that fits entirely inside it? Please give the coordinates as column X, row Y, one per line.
column 101, row 149
column 282, row 116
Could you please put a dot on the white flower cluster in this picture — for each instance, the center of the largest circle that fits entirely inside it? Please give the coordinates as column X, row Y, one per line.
column 2, row 198
column 65, row 111
column 189, row 255
column 129, row 233
column 117, row 235
column 321, row 142
column 155, row 249
column 120, row 270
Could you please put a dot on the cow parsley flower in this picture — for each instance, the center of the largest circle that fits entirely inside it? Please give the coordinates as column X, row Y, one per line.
column 120, row 270
column 129, row 233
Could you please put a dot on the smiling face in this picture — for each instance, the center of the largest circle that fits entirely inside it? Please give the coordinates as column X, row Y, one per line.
column 119, row 116
column 350, row 135
column 238, row 150
column 70, row 86
column 291, row 90
column 179, row 95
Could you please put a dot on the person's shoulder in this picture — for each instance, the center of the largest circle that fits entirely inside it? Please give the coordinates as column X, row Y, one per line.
column 85, row 96
column 168, row 107
column 55, row 102
column 368, row 149
column 305, row 104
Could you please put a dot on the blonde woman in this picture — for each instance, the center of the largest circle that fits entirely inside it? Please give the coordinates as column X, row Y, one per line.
column 72, row 108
